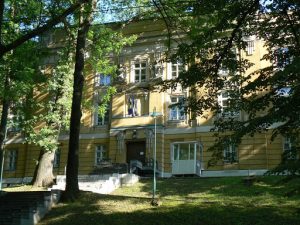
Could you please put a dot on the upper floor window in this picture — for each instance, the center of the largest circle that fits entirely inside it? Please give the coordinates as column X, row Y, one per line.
column 230, row 153
column 137, row 105
column 140, row 71
column 56, row 161
column 282, row 57
column 224, row 103
column 289, row 148
column 176, row 69
column 100, row 154
column 102, row 80
column 10, row 160
column 250, row 47
column 176, row 111
column 13, row 123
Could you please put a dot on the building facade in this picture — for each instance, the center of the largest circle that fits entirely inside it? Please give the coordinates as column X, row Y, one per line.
column 141, row 120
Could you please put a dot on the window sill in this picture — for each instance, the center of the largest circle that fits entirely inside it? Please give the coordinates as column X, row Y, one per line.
column 227, row 162
column 10, row 171
column 177, row 121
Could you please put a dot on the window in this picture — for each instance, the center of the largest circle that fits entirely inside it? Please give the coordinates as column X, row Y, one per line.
column 102, row 118
column 140, row 70
column 250, row 47
column 176, row 111
column 230, row 153
column 137, row 105
column 223, row 71
column 102, row 80
column 10, row 160
column 13, row 123
column 176, row 69
column 289, row 148
column 184, row 151
column 100, row 154
column 56, row 161
column 282, row 57
column 224, row 102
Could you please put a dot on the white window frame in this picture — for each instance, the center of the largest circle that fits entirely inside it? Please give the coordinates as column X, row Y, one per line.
column 100, row 153
column 179, row 116
column 176, row 69
column 139, row 70
column 222, row 100
column 228, row 151
column 250, row 48
column 193, row 146
column 10, row 160
column 170, row 70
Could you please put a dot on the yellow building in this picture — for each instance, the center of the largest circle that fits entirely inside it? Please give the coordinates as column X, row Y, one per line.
column 127, row 132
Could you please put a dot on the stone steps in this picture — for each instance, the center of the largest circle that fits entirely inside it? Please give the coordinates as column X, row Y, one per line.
column 102, row 184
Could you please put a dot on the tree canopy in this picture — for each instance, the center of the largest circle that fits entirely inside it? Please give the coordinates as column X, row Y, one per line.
column 217, row 34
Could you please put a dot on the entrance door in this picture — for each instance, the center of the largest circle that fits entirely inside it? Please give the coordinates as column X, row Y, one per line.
column 136, row 151
column 184, row 158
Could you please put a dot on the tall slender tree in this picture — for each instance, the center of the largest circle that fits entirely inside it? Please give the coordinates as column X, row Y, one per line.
column 85, row 21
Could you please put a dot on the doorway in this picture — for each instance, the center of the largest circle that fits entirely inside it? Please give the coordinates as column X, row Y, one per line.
column 136, row 151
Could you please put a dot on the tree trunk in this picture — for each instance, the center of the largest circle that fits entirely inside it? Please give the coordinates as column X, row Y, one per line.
column 43, row 175
column 3, row 122
column 72, row 188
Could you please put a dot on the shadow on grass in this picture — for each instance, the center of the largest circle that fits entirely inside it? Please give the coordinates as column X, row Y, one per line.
column 93, row 209
column 230, row 187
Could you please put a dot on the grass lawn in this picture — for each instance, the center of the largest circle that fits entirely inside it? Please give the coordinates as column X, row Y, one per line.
column 191, row 201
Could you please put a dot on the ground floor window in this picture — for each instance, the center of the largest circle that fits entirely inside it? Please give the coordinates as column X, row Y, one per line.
column 184, row 151
column 230, row 154
column 10, row 160
column 100, row 154
column 56, row 161
column 289, row 148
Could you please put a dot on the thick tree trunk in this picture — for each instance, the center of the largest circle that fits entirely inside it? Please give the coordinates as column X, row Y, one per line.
column 72, row 188
column 3, row 122
column 43, row 175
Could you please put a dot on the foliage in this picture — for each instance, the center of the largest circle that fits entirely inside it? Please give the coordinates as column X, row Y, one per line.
column 106, row 43
column 54, row 113
column 217, row 32
column 21, row 21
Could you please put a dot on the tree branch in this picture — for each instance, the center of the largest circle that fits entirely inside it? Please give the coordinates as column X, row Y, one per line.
column 39, row 30
column 233, row 34
column 294, row 31
column 166, row 22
